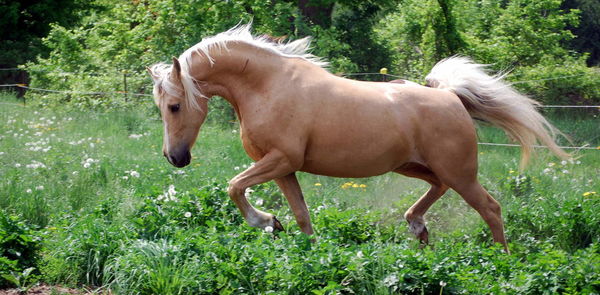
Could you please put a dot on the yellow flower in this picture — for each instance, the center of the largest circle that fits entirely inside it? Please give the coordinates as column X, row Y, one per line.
column 587, row 194
column 347, row 185
column 511, row 171
column 355, row 185
column 363, row 185
column 318, row 184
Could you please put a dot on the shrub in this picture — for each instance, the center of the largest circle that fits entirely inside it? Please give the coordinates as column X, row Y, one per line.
column 19, row 246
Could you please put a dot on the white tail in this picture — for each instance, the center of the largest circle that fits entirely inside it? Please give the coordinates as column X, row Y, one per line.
column 489, row 98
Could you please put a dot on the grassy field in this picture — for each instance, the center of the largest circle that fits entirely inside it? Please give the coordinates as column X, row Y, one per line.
column 88, row 200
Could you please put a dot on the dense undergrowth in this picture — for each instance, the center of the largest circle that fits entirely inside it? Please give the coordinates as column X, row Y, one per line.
column 86, row 199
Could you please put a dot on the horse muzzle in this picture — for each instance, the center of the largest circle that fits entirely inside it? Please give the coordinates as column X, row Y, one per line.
column 179, row 157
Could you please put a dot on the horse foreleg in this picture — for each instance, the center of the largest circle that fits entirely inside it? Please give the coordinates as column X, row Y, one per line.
column 291, row 189
column 271, row 166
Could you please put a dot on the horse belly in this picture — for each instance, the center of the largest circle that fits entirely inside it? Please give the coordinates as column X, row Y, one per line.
column 357, row 157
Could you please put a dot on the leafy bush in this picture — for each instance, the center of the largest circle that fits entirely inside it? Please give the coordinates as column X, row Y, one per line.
column 19, row 247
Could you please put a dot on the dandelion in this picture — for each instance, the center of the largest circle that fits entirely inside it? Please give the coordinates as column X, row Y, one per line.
column 563, row 162
column 318, row 184
column 260, row 202
column 511, row 171
column 248, row 192
column 547, row 170
column 28, row 191
column 347, row 185
column 172, row 191
column 551, row 164
column 565, row 171
column 187, row 214
column 360, row 254
column 86, row 165
column 363, row 186
column 17, row 165
column 39, row 187
column 355, row 185
column 134, row 174
column 236, row 168
column 587, row 194
column 390, row 280
column 443, row 284
column 269, row 229
column 35, row 165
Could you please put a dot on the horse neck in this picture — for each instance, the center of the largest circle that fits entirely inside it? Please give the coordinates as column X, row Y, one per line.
column 241, row 74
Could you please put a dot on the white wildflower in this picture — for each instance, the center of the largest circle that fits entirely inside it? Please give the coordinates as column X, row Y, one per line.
column 125, row 177
column 259, row 202
column 86, row 165
column 135, row 136
column 390, row 280
column 360, row 254
column 547, row 170
column 443, row 284
column 565, row 171
column 269, row 229
column 236, row 168
column 563, row 162
column 187, row 214
column 39, row 187
column 28, row 191
column 17, row 165
column 179, row 172
column 248, row 192
column 35, row 165
column 134, row 174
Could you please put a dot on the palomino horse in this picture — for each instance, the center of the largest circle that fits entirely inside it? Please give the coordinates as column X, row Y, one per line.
column 296, row 116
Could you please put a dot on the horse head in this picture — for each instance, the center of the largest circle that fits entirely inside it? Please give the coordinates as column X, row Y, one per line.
column 182, row 112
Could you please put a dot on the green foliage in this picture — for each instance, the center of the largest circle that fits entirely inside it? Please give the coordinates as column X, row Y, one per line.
column 103, row 226
column 568, row 81
column 527, row 36
column 19, row 250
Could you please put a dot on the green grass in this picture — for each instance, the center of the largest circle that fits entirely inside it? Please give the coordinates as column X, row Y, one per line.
column 80, row 193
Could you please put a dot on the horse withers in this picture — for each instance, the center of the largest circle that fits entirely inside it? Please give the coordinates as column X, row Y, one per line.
column 296, row 116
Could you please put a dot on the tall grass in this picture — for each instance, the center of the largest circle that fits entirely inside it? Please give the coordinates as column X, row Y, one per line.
column 94, row 186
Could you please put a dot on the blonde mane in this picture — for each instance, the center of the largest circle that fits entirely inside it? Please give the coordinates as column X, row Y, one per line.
column 241, row 33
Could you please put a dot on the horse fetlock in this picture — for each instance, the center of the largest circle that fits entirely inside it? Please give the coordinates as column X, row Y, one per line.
column 264, row 220
column 417, row 226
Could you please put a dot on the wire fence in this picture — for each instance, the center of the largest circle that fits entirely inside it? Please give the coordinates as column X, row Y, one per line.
column 383, row 75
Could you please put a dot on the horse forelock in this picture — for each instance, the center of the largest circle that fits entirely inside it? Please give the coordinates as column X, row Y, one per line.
column 163, row 84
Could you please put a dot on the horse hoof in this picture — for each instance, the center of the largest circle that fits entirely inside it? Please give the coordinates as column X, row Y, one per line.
column 277, row 225
column 423, row 238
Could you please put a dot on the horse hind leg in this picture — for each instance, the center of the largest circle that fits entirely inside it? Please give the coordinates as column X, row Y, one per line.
column 414, row 215
column 489, row 209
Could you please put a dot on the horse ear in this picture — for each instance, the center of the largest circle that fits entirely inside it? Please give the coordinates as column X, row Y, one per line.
column 176, row 71
column 154, row 76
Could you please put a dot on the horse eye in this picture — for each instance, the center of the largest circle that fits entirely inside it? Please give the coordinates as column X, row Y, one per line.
column 174, row 108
